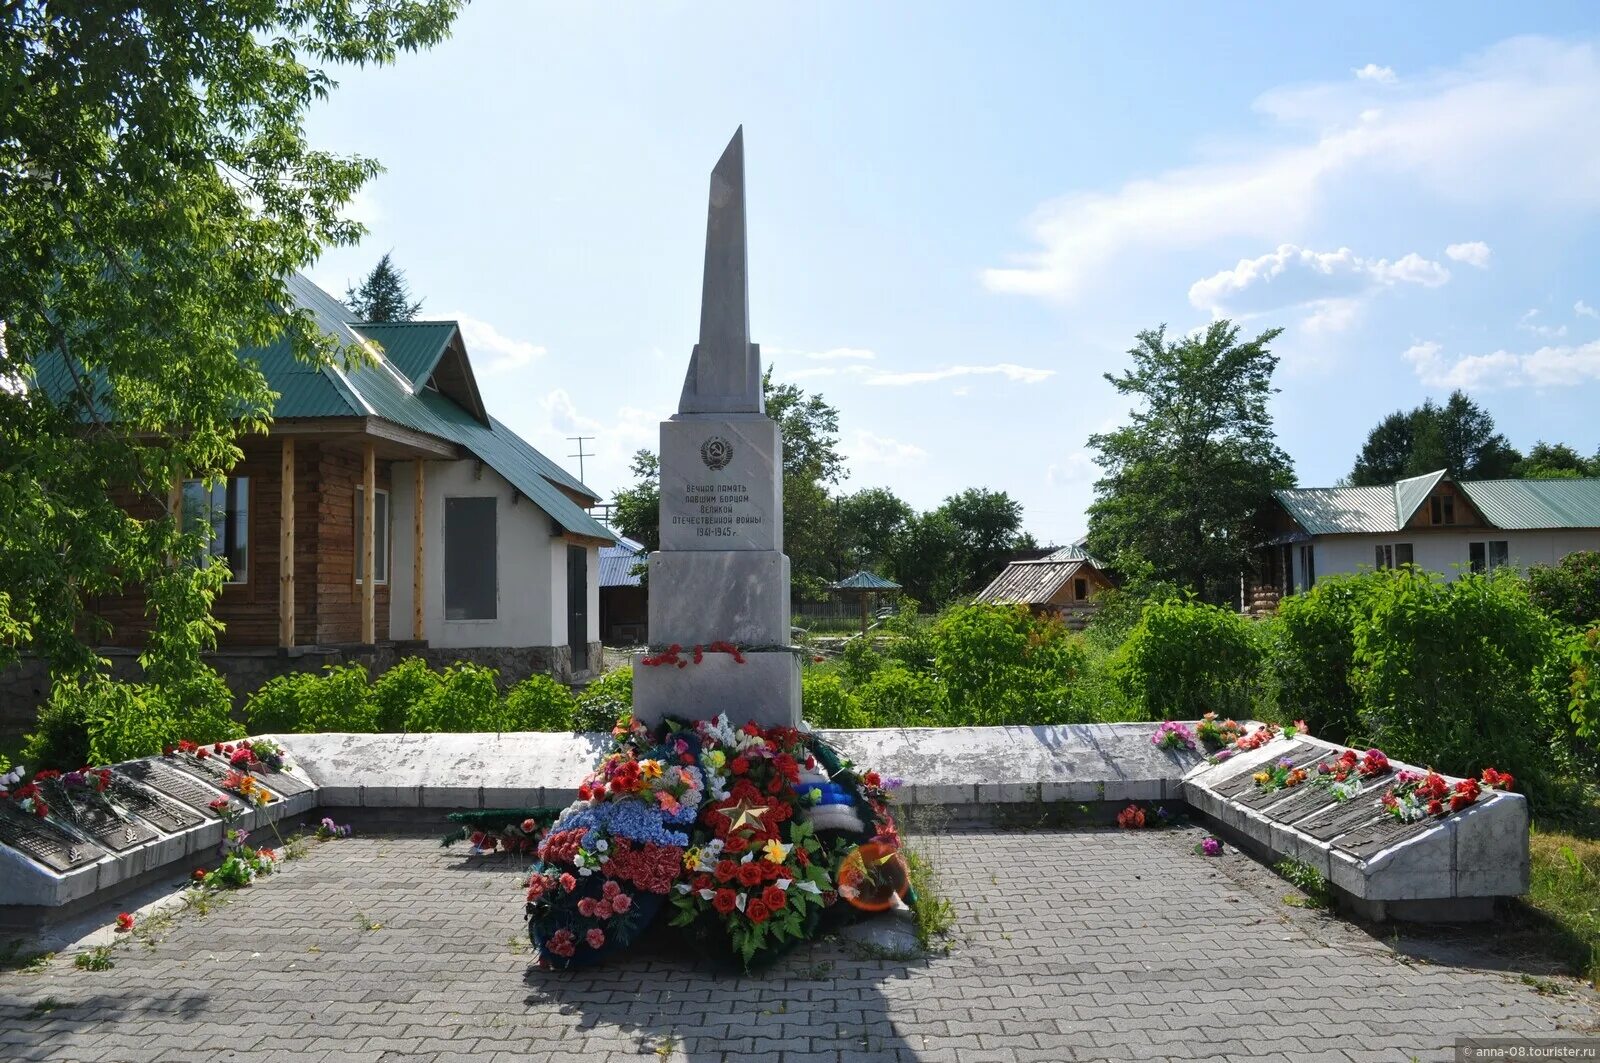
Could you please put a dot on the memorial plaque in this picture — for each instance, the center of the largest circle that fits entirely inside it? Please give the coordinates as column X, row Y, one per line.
column 213, row 771
column 283, row 782
column 92, row 815
column 1371, row 839
column 1362, row 809
column 1296, row 753
column 1304, row 800
column 44, row 842
column 147, row 805
column 165, row 779
column 1294, row 812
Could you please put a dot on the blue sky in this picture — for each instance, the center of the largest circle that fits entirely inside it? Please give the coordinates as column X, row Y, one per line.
column 960, row 215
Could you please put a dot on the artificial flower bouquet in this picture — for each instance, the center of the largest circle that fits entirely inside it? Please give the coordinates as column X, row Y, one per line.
column 1279, row 775
column 1215, row 733
column 1173, row 735
column 1342, row 776
column 748, row 837
column 1419, row 795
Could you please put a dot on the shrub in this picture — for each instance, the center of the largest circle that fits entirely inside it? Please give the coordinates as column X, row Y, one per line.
column 826, row 703
column 466, row 700
column 605, row 702
column 275, row 706
column 899, row 697
column 1313, row 652
column 1583, row 658
column 99, row 720
column 1456, row 675
column 1570, row 590
column 859, row 660
column 338, row 699
column 539, row 703
column 1002, row 665
column 1185, row 658
column 125, row 720
column 395, row 691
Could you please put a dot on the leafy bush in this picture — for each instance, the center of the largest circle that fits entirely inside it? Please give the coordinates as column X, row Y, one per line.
column 605, row 702
column 1457, row 674
column 1583, row 657
column 98, row 720
column 1313, row 652
column 275, row 706
column 1002, row 665
column 466, row 700
column 408, row 683
column 859, row 660
column 825, row 702
column 339, row 699
column 898, row 697
column 1570, row 590
column 539, row 703
column 1185, row 658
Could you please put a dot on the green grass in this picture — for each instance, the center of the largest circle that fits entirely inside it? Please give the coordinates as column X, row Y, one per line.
column 1308, row 880
column 1564, row 891
column 935, row 914
column 96, row 959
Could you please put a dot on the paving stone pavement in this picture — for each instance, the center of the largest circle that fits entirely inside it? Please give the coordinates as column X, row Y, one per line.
column 1071, row 945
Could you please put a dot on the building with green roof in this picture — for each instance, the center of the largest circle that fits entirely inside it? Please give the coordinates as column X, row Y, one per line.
column 481, row 547
column 1431, row 521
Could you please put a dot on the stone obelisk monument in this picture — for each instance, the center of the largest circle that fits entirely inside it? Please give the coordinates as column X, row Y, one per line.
column 721, row 574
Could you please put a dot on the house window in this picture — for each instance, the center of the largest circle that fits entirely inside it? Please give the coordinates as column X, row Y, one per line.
column 471, row 577
column 221, row 516
column 1080, row 589
column 1487, row 556
column 1308, row 567
column 380, row 535
column 1443, row 509
column 1393, row 555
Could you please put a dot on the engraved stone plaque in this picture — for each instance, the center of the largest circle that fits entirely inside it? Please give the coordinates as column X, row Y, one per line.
column 1297, row 753
column 147, row 805
column 162, row 777
column 212, row 771
column 282, row 782
column 44, row 842
column 1371, row 839
column 93, row 816
column 1328, row 824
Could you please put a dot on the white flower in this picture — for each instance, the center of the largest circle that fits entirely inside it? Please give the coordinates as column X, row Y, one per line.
column 782, row 884
column 682, row 887
column 706, row 895
column 809, row 887
column 585, row 871
column 602, row 845
column 738, row 902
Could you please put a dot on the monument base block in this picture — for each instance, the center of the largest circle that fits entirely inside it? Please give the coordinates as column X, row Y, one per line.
column 765, row 688
column 738, row 596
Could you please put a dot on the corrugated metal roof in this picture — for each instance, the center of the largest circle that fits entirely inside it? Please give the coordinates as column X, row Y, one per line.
column 1075, row 552
column 1029, row 582
column 1411, row 493
column 617, row 564
column 864, row 581
column 1341, row 510
column 413, row 347
column 1517, row 505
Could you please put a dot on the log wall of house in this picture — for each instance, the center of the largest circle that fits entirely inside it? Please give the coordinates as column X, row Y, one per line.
column 327, row 598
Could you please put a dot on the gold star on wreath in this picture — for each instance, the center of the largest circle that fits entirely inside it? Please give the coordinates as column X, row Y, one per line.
column 746, row 814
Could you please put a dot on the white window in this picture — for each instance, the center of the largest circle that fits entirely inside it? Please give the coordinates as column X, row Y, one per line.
column 1490, row 555
column 220, row 514
column 471, row 571
column 1393, row 555
column 380, row 535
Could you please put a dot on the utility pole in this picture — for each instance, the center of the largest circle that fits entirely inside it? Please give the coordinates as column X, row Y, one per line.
column 581, row 454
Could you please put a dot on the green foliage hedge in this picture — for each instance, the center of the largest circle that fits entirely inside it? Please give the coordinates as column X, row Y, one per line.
column 101, row 721
column 1186, row 658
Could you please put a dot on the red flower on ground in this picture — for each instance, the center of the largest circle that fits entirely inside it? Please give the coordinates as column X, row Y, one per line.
column 595, row 937
column 124, row 921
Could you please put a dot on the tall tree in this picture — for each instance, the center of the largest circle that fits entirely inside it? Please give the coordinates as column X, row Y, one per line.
column 990, row 525
column 638, row 508
column 1459, row 437
column 156, row 191
column 384, row 295
column 1186, row 480
column 1555, row 461
column 867, row 522
column 925, row 557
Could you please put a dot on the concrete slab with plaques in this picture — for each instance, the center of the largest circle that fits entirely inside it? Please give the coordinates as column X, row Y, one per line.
column 1441, row 869
column 1448, row 868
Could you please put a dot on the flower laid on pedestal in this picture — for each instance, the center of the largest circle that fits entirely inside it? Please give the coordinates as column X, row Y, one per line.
column 1214, row 733
column 1342, row 776
column 1279, row 775
column 1417, row 795
column 1172, row 735
column 751, row 836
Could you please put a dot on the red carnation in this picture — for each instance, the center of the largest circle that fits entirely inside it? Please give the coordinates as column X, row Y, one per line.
column 774, row 898
column 724, row 901
column 756, row 912
column 703, row 882
column 1435, row 807
column 872, row 778
column 621, row 903
column 740, row 764
column 568, row 882
column 595, row 937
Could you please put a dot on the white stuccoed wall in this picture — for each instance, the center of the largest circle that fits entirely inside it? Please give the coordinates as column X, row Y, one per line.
column 532, row 605
column 1446, row 551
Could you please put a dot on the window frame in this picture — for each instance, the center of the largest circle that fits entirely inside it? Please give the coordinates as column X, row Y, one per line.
column 386, row 525
column 1080, row 589
column 236, row 485
column 1388, row 555
column 1486, row 548
column 444, row 529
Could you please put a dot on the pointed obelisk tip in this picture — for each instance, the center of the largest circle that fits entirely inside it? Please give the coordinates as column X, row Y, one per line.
column 725, row 371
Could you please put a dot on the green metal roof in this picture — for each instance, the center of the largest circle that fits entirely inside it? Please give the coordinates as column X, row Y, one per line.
column 864, row 581
column 1517, row 505
column 1511, row 505
column 413, row 347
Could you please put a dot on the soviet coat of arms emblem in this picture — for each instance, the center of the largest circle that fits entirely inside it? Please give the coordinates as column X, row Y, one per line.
column 716, row 452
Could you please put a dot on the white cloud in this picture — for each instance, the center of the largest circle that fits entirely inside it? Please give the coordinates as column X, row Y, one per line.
column 1332, row 315
column 1545, row 332
column 1373, row 72
column 1517, row 125
column 1020, row 373
column 1330, row 282
column 1583, row 309
column 871, row 448
column 1546, row 367
column 811, row 372
column 1475, row 253
column 492, row 351
column 1076, row 467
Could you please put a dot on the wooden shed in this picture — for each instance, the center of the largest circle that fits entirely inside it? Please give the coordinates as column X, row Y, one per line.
column 1061, row 584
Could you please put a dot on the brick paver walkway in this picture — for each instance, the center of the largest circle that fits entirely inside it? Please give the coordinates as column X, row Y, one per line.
column 1071, row 946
